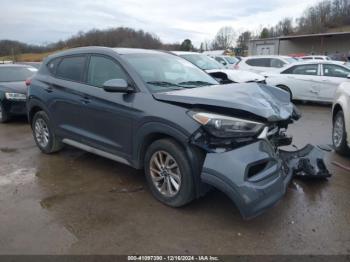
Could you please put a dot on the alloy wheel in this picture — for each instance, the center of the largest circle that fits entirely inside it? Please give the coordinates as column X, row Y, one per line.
column 338, row 131
column 165, row 173
column 41, row 131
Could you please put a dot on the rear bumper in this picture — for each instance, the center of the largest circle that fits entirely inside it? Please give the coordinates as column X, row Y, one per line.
column 255, row 177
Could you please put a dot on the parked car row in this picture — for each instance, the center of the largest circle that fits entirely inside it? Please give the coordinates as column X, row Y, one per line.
column 218, row 71
column 156, row 111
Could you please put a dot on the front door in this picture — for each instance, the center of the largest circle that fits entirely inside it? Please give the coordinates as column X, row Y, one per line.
column 303, row 81
column 108, row 116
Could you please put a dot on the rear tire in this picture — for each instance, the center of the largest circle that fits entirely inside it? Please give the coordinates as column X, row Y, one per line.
column 339, row 136
column 286, row 88
column 4, row 116
column 169, row 173
column 43, row 134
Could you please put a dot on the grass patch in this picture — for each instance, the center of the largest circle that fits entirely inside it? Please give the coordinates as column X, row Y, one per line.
column 30, row 57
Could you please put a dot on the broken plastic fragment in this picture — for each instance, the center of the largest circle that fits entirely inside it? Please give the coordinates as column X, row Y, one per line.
column 306, row 162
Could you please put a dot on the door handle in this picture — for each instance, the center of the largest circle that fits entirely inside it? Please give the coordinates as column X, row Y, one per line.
column 314, row 92
column 85, row 100
column 49, row 89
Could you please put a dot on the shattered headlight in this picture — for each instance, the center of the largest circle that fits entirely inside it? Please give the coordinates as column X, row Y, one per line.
column 15, row 96
column 226, row 126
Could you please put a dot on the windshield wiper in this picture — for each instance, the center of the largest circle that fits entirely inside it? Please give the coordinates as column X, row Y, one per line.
column 163, row 83
column 196, row 83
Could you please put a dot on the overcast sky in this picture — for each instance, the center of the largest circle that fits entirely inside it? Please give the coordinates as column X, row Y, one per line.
column 45, row 21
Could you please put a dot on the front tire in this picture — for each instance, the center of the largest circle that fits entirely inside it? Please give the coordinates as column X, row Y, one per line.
column 339, row 134
column 4, row 116
column 43, row 134
column 169, row 173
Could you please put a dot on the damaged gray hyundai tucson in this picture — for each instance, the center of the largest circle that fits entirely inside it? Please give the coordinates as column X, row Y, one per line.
column 156, row 111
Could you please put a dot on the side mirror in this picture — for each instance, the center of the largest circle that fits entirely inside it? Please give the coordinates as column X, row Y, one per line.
column 348, row 76
column 116, row 85
column 223, row 62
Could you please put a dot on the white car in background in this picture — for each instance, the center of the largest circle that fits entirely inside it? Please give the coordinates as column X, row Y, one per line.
column 264, row 63
column 315, row 80
column 316, row 57
column 218, row 71
column 322, row 57
column 227, row 61
column 341, row 119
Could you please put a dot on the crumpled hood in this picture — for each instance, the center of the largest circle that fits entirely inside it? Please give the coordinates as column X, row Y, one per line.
column 16, row 87
column 265, row 101
column 239, row 76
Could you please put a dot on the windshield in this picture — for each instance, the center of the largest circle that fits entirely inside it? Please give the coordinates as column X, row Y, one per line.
column 16, row 74
column 165, row 72
column 203, row 61
column 231, row 59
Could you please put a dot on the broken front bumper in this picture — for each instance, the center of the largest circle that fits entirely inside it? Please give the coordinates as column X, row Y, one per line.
column 256, row 176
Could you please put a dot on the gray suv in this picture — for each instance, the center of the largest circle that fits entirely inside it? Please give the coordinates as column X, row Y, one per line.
column 156, row 111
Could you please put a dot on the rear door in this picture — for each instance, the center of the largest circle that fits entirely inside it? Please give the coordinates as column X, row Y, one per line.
column 67, row 92
column 331, row 77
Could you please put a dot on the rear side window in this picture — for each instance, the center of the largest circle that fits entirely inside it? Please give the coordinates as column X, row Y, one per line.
column 262, row 62
column 71, row 68
column 277, row 63
column 302, row 70
column 52, row 65
column 102, row 69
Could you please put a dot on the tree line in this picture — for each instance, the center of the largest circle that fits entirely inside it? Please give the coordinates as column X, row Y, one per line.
column 114, row 37
column 319, row 18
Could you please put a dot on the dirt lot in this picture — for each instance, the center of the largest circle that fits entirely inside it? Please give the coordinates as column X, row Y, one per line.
column 77, row 203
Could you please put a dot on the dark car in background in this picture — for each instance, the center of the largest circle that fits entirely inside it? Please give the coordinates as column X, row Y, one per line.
column 13, row 89
column 156, row 111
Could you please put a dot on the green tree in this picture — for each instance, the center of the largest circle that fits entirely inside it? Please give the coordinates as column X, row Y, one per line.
column 186, row 45
column 243, row 42
column 264, row 33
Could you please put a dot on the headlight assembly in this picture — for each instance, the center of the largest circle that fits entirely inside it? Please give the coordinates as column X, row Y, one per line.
column 15, row 96
column 226, row 126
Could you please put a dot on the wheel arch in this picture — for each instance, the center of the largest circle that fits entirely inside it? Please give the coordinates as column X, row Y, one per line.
column 286, row 88
column 337, row 107
column 152, row 132
column 35, row 106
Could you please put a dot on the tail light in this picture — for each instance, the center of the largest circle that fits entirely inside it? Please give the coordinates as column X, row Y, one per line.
column 28, row 82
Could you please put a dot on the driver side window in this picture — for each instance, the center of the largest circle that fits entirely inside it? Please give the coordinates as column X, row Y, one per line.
column 310, row 69
column 102, row 69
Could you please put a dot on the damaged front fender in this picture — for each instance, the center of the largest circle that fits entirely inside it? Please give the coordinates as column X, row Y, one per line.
column 255, row 176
